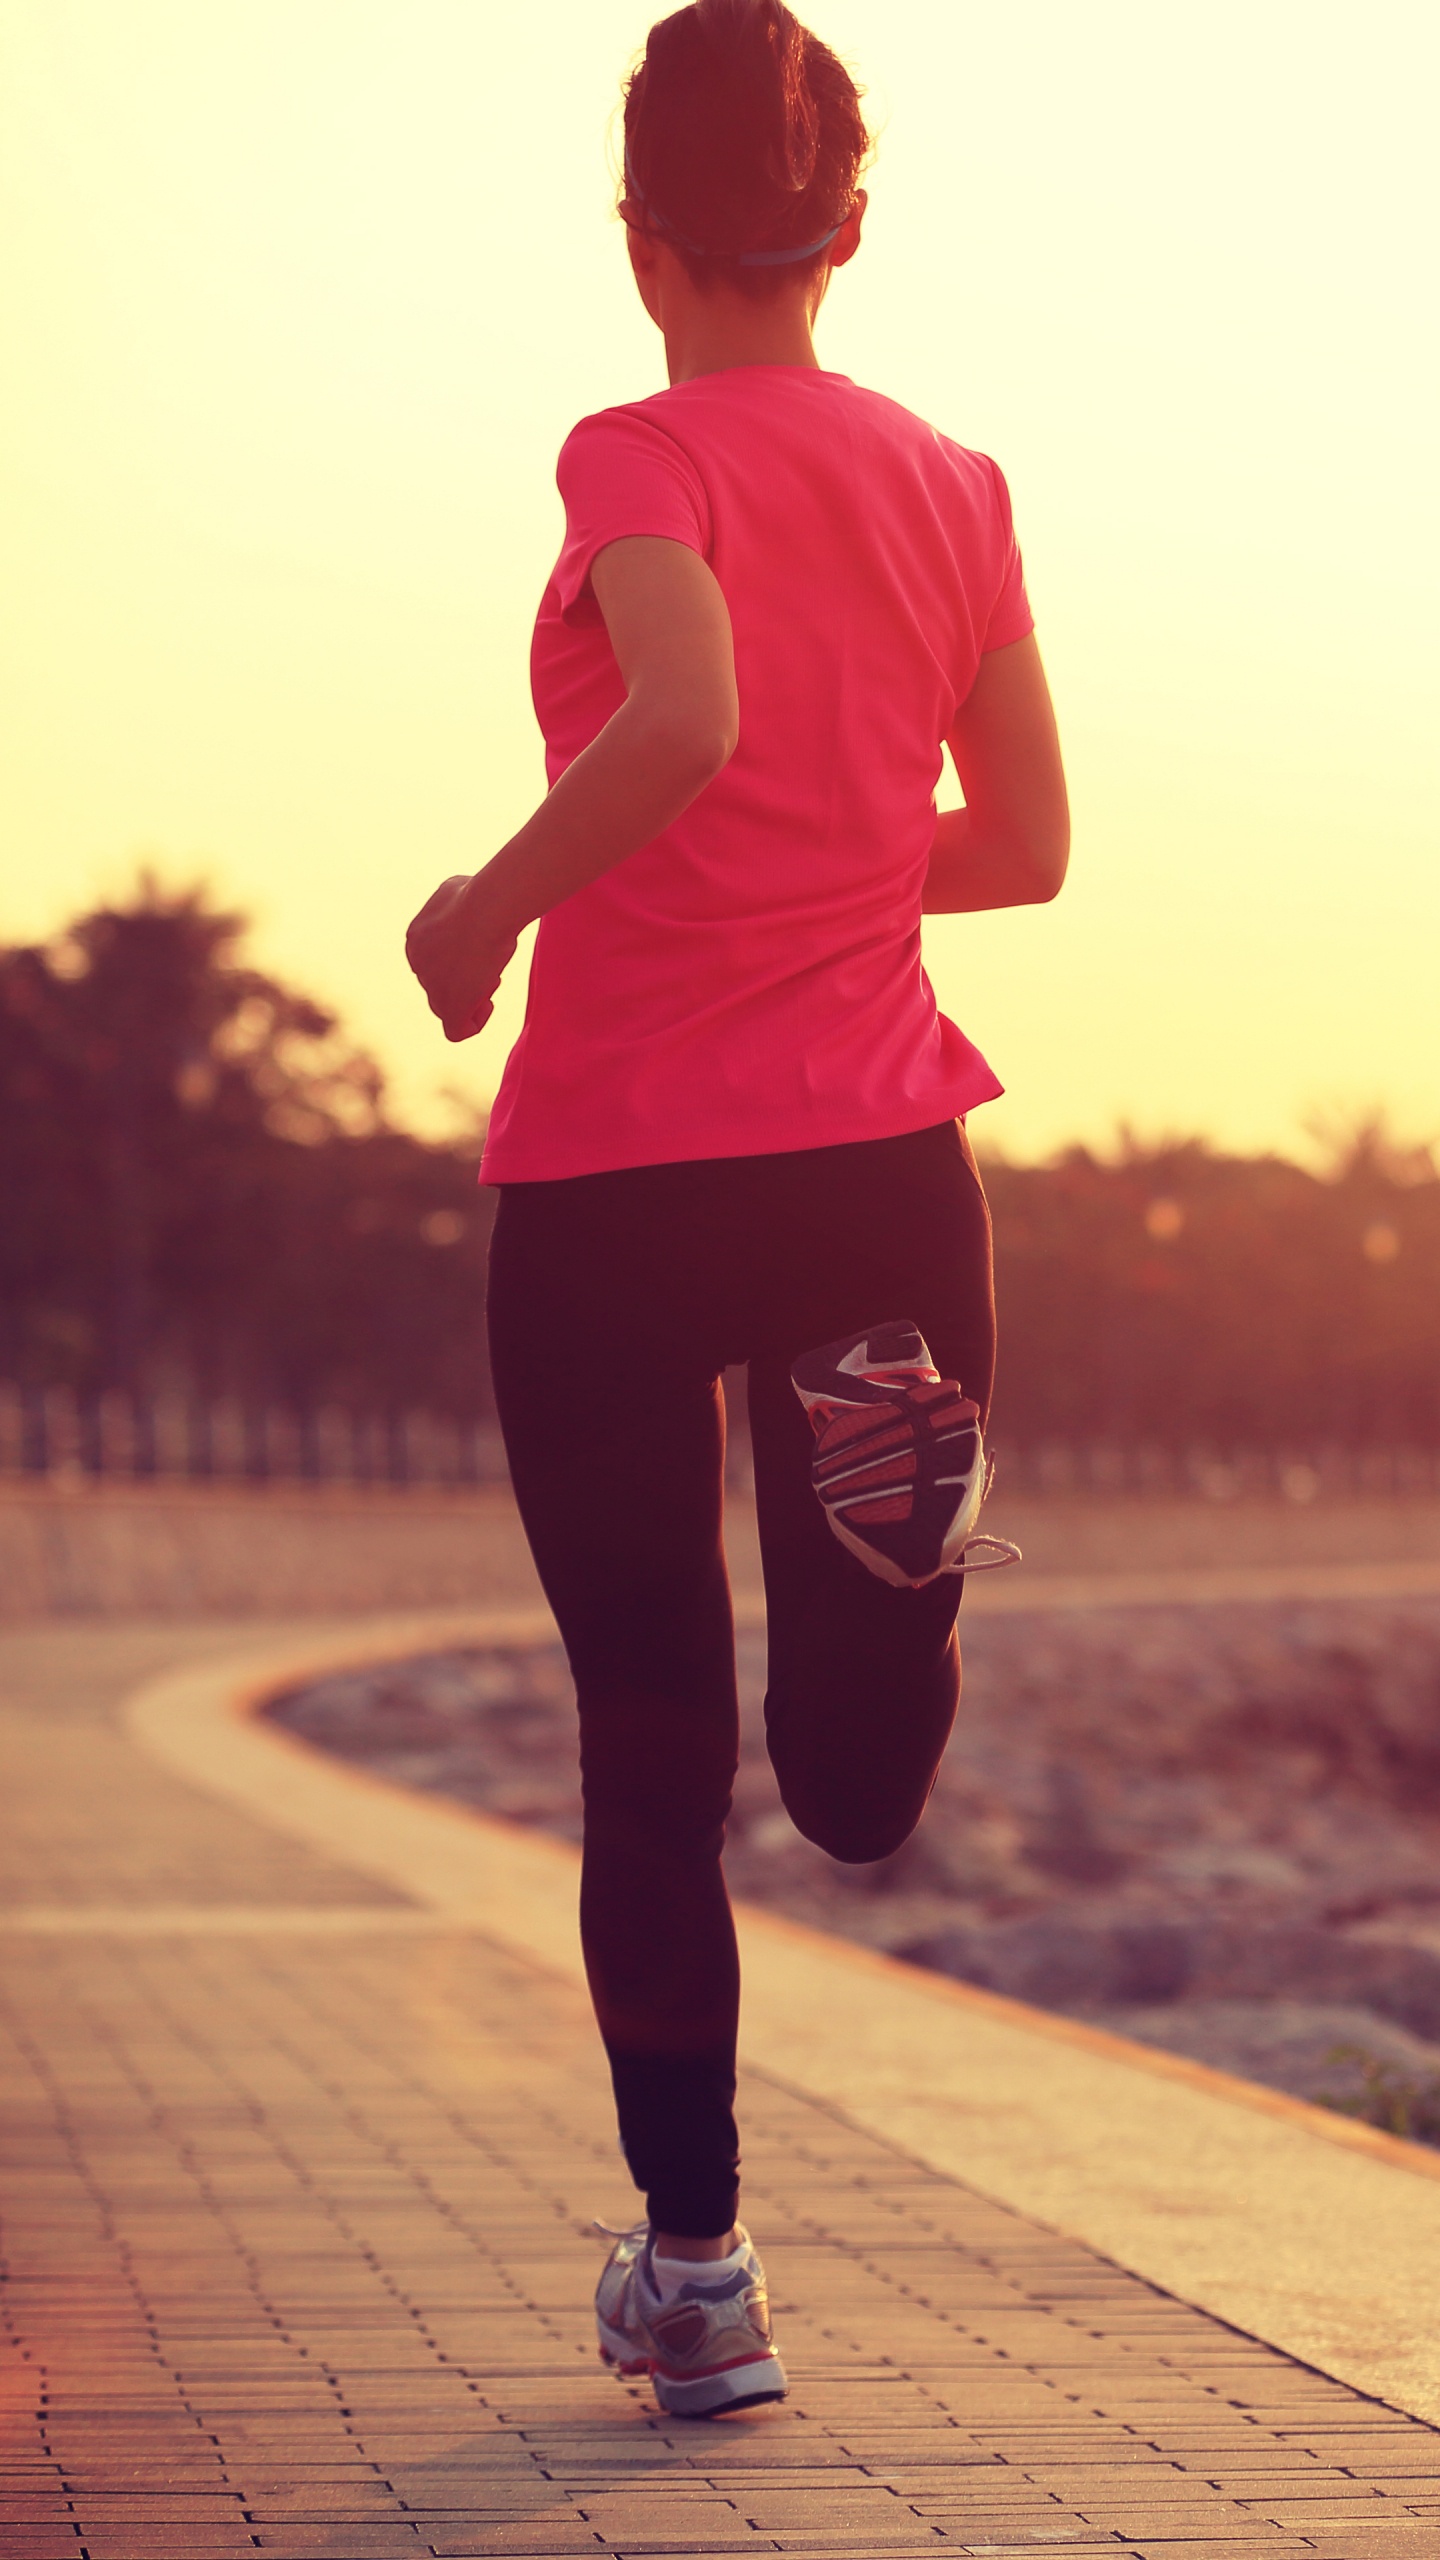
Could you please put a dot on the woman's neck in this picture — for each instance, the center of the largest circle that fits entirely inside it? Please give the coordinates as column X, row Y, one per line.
column 714, row 332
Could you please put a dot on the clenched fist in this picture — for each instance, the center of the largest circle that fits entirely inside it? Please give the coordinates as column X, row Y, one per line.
column 459, row 952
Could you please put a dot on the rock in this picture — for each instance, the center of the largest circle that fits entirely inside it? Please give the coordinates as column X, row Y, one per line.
column 1063, row 1839
column 1059, row 1961
column 1152, row 1960
column 1330, row 2053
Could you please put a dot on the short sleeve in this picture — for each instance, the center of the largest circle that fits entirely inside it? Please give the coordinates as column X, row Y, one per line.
column 620, row 475
column 1010, row 614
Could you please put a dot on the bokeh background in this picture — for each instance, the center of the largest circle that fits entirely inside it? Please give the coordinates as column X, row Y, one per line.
column 301, row 296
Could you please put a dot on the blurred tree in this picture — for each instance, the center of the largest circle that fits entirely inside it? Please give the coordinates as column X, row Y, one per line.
column 1174, row 1294
column 211, row 1194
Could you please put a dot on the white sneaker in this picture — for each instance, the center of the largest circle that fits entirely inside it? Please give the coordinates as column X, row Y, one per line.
column 707, row 2348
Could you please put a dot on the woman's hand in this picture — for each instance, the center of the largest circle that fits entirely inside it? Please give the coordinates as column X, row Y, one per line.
column 459, row 951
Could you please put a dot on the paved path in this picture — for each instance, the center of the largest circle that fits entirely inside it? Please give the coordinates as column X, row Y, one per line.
column 296, row 2210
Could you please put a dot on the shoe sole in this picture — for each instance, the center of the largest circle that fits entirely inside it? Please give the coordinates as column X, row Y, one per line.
column 702, row 2395
column 818, row 1366
column 715, row 2395
column 885, row 1568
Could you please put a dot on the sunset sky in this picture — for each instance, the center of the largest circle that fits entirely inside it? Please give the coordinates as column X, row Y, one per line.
column 300, row 297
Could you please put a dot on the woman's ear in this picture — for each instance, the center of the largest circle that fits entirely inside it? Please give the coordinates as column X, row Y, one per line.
column 847, row 239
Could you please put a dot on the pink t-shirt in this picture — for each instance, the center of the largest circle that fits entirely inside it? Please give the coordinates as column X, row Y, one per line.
column 750, row 982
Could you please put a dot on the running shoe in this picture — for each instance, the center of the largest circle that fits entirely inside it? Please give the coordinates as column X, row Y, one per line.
column 707, row 2348
column 899, row 1464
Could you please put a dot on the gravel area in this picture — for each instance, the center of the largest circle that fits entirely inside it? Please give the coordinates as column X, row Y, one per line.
column 1215, row 1829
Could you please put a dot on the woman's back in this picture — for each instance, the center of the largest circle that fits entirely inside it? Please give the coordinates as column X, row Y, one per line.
column 750, row 981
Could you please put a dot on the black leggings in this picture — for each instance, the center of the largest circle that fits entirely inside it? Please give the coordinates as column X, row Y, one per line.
column 615, row 1301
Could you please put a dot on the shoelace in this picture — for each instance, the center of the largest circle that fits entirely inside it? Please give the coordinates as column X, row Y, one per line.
column 985, row 1555
column 982, row 1554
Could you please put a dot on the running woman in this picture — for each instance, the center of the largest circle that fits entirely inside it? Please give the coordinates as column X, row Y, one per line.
column 732, row 1128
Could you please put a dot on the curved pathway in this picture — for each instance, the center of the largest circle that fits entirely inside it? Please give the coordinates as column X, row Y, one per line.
column 301, row 2156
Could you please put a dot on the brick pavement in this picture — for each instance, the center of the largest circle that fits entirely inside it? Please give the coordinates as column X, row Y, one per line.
column 297, row 2262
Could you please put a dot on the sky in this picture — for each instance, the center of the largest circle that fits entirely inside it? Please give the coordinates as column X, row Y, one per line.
column 300, row 298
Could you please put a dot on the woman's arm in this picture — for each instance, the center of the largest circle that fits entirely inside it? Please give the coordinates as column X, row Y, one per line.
column 677, row 727
column 1010, row 844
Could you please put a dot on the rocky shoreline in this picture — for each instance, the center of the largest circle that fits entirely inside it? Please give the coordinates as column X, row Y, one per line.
column 1215, row 1829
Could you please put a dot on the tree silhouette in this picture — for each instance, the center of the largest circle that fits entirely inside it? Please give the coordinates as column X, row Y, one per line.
column 213, row 1197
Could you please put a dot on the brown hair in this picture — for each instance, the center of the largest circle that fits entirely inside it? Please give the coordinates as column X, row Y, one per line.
column 743, row 136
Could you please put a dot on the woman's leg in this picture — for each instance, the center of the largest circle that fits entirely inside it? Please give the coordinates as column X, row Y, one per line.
column 864, row 1680
column 610, row 1410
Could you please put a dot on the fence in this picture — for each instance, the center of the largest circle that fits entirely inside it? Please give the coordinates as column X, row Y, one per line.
column 1330, row 1473
column 51, row 1433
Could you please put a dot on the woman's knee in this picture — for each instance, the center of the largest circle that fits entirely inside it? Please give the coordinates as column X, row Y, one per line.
column 855, row 1773
column 855, row 1835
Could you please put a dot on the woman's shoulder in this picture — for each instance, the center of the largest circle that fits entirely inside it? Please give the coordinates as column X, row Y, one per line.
column 634, row 436
column 624, row 419
column 891, row 421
